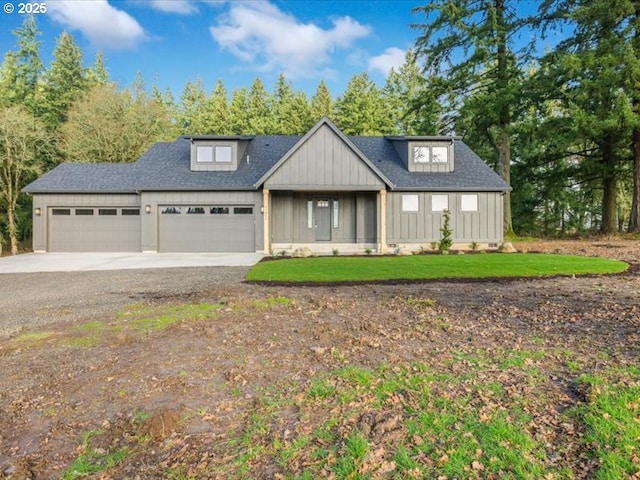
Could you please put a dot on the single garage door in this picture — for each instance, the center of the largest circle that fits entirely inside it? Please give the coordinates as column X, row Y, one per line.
column 93, row 229
column 206, row 228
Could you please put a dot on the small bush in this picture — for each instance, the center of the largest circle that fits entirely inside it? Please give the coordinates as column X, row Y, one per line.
column 446, row 241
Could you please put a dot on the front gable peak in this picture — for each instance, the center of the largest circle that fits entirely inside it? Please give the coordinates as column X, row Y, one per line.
column 324, row 159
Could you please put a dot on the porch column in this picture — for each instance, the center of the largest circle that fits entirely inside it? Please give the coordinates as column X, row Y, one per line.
column 265, row 221
column 382, row 248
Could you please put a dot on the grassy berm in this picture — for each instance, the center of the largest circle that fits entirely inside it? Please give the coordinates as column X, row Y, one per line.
column 512, row 378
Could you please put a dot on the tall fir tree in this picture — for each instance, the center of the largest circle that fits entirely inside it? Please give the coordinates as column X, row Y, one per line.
column 321, row 102
column 192, row 114
column 238, row 112
column 22, row 68
column 218, row 110
column 63, row 82
column 468, row 47
column 259, row 109
column 361, row 110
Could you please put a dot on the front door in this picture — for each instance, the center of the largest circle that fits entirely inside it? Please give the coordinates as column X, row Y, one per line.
column 322, row 219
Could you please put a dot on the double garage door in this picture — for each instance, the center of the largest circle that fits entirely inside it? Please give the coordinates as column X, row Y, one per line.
column 93, row 229
column 206, row 228
column 190, row 228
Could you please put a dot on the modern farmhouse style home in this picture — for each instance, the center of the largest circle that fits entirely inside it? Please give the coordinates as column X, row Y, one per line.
column 325, row 191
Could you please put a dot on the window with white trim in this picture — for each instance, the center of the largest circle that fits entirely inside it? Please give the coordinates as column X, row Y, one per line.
column 439, row 154
column 439, row 203
column 223, row 154
column 430, row 154
column 421, row 154
column 410, row 203
column 204, row 154
column 469, row 202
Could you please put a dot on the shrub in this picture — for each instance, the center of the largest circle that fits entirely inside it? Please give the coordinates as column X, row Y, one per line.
column 446, row 241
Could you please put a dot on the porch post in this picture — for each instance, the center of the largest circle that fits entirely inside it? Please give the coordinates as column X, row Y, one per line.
column 382, row 248
column 265, row 221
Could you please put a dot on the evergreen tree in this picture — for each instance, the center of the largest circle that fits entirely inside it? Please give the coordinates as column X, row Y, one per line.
column 218, row 110
column 321, row 102
column 22, row 68
column 258, row 109
column 481, row 34
column 361, row 110
column 588, row 72
column 192, row 114
column 64, row 82
column 405, row 98
column 97, row 74
column 238, row 112
column 290, row 110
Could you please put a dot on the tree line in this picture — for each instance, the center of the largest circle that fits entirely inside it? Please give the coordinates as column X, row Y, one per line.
column 561, row 126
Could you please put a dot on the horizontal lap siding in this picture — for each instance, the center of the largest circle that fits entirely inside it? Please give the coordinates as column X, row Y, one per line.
column 423, row 226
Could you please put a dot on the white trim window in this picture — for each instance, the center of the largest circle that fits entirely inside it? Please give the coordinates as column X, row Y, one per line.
column 439, row 154
column 223, row 153
column 469, row 202
column 204, row 154
column 439, row 203
column 421, row 154
column 410, row 203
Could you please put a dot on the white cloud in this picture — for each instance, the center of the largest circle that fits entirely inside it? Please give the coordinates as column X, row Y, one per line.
column 104, row 25
column 392, row 57
column 260, row 34
column 181, row 7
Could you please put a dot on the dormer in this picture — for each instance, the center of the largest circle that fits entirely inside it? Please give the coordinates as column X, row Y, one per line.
column 426, row 154
column 217, row 153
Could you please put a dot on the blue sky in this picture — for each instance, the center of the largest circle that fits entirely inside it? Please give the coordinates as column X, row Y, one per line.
column 173, row 41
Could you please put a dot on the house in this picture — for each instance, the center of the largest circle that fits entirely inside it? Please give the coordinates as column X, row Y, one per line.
column 270, row 193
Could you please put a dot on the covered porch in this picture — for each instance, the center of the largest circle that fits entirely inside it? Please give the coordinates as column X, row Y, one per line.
column 325, row 222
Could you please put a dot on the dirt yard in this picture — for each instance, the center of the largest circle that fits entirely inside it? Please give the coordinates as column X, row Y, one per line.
column 171, row 382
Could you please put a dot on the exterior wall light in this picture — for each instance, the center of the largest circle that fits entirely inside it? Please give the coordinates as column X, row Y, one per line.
column 38, row 211
column 147, row 208
column 262, row 209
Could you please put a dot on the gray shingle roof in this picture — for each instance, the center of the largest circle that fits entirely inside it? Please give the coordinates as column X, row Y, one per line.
column 166, row 166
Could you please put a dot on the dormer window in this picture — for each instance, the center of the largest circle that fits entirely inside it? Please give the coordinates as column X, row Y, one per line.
column 213, row 153
column 430, row 154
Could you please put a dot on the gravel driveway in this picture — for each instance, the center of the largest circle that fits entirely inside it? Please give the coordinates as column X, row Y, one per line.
column 29, row 300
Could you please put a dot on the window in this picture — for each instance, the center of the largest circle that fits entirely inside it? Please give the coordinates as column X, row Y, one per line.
column 204, row 154
column 336, row 210
column 219, row 210
column 439, row 203
column 223, row 154
column 410, row 203
column 107, row 211
column 170, row 210
column 469, row 203
column 243, row 210
column 309, row 213
column 84, row 211
column 430, row 154
column 195, row 210
column 322, row 203
column 421, row 154
column 130, row 211
column 61, row 211
column 439, row 154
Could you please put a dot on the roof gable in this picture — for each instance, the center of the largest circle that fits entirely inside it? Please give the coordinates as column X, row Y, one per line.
column 324, row 159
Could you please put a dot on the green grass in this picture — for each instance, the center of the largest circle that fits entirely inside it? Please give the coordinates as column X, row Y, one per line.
column 426, row 267
column 612, row 419
column 93, row 460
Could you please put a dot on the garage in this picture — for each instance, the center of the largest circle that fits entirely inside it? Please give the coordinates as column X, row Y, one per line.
column 206, row 228
column 94, row 229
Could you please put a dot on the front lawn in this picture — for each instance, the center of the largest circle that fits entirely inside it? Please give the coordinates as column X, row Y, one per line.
column 427, row 267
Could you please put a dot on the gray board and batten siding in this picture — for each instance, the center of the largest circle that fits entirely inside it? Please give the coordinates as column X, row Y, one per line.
column 351, row 217
column 220, row 210
column 482, row 226
column 324, row 161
